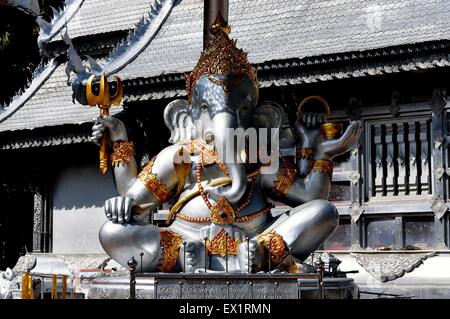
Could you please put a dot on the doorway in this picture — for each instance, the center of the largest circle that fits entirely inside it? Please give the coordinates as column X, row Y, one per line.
column 16, row 226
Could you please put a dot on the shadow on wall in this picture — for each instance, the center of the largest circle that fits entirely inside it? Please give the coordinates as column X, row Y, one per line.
column 82, row 187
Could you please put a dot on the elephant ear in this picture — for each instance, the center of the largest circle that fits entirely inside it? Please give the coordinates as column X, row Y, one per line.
column 269, row 115
column 177, row 117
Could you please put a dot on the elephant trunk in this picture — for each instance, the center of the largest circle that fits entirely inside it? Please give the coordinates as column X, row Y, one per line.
column 224, row 125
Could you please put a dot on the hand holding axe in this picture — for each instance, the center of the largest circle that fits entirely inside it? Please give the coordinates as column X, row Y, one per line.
column 104, row 101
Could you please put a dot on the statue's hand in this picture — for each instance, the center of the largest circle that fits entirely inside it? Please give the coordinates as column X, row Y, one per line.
column 308, row 129
column 328, row 149
column 312, row 120
column 118, row 209
column 117, row 130
column 309, row 135
column 251, row 256
column 193, row 256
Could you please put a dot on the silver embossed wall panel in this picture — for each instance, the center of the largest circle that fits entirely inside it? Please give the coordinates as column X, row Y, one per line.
column 225, row 289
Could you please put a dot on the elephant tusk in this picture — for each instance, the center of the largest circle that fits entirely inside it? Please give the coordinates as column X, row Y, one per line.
column 139, row 209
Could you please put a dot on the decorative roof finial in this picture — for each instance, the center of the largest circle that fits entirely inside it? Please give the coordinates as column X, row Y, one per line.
column 220, row 25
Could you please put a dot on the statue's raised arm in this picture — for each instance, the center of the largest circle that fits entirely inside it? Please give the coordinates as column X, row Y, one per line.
column 156, row 183
column 316, row 145
column 317, row 165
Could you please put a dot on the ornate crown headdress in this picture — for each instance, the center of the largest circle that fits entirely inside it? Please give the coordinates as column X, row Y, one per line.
column 221, row 56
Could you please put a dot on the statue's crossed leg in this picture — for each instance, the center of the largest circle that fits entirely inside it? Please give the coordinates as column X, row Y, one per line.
column 303, row 230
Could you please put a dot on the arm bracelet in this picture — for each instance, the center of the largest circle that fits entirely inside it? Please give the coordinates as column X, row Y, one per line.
column 123, row 152
column 304, row 152
column 153, row 184
column 285, row 179
column 323, row 166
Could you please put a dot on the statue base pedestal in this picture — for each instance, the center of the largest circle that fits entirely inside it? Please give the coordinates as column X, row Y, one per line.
column 224, row 286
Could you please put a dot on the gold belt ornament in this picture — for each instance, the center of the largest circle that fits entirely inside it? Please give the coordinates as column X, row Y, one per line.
column 104, row 101
column 222, row 244
column 241, row 219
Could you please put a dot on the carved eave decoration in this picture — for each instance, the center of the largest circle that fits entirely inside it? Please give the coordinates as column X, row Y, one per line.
column 355, row 211
column 20, row 141
column 60, row 19
column 390, row 266
column 439, row 207
column 438, row 141
column 439, row 170
column 354, row 177
column 312, row 70
column 438, row 101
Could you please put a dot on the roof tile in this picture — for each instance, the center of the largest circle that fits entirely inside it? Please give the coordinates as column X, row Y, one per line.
column 51, row 106
column 272, row 30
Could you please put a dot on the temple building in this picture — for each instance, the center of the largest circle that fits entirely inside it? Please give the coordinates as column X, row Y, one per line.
column 386, row 63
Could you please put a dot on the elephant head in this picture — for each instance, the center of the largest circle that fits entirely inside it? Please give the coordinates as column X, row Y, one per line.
column 223, row 95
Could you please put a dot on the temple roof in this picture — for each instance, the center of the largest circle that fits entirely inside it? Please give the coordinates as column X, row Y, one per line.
column 101, row 17
column 276, row 34
column 52, row 106
column 284, row 29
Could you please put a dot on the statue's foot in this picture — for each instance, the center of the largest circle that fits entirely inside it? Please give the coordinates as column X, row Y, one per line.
column 192, row 256
column 142, row 241
column 251, row 256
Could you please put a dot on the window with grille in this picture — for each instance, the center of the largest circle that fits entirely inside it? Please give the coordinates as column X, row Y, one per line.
column 400, row 158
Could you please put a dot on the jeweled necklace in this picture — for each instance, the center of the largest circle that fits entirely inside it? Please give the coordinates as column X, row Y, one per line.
column 205, row 197
column 197, row 144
